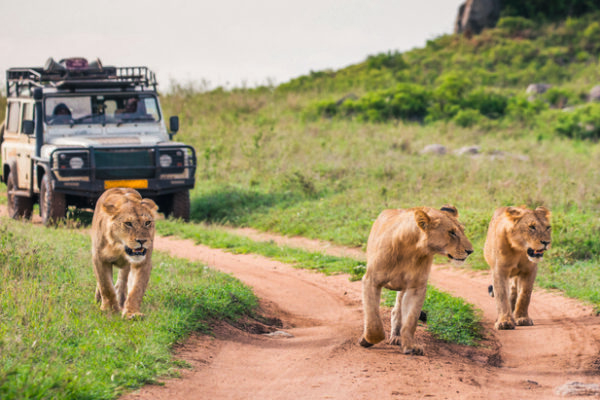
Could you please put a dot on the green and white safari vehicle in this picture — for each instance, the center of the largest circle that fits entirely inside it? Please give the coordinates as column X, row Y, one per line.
column 74, row 129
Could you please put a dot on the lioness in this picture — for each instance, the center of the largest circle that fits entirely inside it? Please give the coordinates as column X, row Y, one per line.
column 516, row 241
column 400, row 251
column 122, row 236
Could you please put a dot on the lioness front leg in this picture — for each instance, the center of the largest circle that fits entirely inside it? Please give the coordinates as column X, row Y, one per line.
column 121, row 285
column 139, row 277
column 525, row 285
column 373, row 329
column 397, row 320
column 412, row 303
column 105, row 287
column 505, row 318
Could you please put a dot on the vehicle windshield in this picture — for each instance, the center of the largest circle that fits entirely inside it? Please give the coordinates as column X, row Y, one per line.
column 101, row 109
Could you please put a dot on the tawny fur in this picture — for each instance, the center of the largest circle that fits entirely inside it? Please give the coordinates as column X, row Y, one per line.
column 123, row 237
column 516, row 241
column 400, row 252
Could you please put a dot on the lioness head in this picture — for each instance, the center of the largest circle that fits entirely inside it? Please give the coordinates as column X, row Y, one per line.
column 445, row 235
column 531, row 231
column 131, row 222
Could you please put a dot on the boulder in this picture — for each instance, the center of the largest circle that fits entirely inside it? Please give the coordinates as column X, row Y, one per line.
column 595, row 93
column 475, row 15
column 434, row 149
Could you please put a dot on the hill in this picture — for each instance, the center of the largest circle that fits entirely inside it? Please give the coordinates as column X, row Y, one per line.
column 322, row 154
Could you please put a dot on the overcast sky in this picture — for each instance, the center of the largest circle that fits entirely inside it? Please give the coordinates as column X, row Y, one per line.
column 223, row 42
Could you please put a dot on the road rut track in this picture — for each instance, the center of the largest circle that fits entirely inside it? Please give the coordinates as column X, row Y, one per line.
column 323, row 359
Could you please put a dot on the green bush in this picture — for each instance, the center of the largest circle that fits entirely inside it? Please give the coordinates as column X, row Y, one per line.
column 580, row 123
column 467, row 118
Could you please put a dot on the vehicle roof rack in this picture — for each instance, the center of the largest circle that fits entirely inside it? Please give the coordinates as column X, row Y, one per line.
column 77, row 73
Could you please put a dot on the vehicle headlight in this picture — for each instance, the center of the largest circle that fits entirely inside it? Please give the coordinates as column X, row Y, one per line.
column 76, row 162
column 165, row 161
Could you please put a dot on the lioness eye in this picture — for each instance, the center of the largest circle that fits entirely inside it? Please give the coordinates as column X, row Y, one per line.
column 452, row 233
column 148, row 223
column 532, row 227
column 548, row 228
column 128, row 224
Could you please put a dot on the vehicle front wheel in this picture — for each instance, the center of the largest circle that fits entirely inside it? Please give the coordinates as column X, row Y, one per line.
column 53, row 205
column 18, row 206
column 180, row 205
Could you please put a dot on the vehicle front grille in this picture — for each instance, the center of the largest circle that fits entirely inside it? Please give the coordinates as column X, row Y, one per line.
column 125, row 164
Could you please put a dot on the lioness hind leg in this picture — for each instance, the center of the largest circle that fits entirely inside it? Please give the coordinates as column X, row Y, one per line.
column 373, row 326
column 397, row 320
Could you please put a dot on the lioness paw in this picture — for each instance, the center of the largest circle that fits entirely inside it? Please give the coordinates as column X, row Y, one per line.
column 504, row 325
column 416, row 350
column 395, row 341
column 133, row 316
column 363, row 342
column 524, row 321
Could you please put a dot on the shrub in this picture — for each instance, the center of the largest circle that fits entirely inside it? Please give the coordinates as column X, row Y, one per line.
column 581, row 123
column 490, row 104
column 467, row 118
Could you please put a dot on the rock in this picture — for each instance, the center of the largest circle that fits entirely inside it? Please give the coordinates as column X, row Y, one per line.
column 578, row 389
column 595, row 93
column 434, row 149
column 467, row 150
column 537, row 88
column 475, row 15
column 281, row 334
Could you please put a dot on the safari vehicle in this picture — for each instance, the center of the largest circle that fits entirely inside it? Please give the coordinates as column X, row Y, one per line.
column 74, row 129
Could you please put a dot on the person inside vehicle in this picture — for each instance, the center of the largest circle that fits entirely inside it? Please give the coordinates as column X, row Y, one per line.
column 131, row 107
column 61, row 115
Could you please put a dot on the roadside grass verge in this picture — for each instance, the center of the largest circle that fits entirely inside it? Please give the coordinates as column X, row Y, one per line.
column 448, row 318
column 56, row 343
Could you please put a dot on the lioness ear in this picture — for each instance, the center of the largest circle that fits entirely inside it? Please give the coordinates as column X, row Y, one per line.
column 150, row 204
column 422, row 219
column 450, row 209
column 514, row 213
column 541, row 210
column 112, row 205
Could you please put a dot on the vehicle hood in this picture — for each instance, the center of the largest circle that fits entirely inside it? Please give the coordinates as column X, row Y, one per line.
column 102, row 141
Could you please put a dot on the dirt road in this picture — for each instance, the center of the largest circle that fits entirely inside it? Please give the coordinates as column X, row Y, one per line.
column 322, row 360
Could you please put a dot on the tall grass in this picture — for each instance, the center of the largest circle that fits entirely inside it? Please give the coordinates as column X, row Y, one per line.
column 55, row 343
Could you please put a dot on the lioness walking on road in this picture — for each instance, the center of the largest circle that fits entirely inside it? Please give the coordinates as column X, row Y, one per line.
column 516, row 241
column 400, row 252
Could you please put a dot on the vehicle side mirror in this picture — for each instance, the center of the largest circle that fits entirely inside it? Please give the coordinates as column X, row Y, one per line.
column 28, row 127
column 173, row 124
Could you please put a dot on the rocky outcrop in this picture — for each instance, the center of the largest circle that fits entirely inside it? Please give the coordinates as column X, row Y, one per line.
column 595, row 93
column 474, row 15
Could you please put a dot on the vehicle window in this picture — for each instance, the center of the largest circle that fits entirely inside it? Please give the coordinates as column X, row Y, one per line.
column 101, row 109
column 12, row 125
column 68, row 110
column 27, row 111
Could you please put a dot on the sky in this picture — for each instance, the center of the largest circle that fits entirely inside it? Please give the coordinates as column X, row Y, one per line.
column 229, row 43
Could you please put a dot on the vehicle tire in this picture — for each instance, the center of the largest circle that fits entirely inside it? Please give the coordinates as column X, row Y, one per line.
column 180, row 205
column 53, row 205
column 18, row 206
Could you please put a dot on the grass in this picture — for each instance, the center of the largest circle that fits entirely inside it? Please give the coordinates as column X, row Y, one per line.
column 448, row 318
column 56, row 344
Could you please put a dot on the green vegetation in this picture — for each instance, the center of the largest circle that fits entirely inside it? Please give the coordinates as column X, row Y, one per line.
column 54, row 341
column 448, row 318
column 320, row 156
